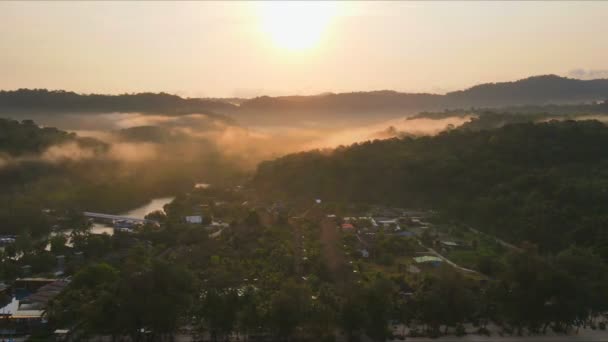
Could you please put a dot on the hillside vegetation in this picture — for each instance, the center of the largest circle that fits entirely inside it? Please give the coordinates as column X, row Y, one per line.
column 48, row 101
column 545, row 182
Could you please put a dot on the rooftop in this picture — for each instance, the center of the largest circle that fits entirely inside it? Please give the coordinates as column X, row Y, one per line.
column 427, row 258
column 347, row 226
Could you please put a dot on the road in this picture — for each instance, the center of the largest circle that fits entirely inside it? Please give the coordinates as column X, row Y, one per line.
column 446, row 260
column 297, row 245
column 329, row 240
column 499, row 241
column 453, row 264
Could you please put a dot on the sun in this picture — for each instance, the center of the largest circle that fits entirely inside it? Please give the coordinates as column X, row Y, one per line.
column 295, row 25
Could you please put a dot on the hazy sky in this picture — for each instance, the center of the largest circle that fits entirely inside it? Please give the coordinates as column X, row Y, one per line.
column 248, row 49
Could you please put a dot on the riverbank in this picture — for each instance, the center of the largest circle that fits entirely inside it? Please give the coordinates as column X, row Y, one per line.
column 138, row 212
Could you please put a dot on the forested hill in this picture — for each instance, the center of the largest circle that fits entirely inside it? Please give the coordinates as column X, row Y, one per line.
column 537, row 90
column 42, row 100
column 545, row 182
column 26, row 138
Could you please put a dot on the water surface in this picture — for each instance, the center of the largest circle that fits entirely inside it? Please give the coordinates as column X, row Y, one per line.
column 139, row 212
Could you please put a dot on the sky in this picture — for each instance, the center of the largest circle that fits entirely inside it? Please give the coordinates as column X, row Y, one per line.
column 231, row 49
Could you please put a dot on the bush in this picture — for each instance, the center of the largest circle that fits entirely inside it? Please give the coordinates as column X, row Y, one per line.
column 508, row 330
column 483, row 331
column 415, row 333
column 460, row 330
column 385, row 259
column 328, row 338
column 434, row 333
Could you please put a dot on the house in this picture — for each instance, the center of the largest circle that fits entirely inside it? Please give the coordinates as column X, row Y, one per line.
column 61, row 334
column 420, row 223
column 386, row 221
column 413, row 269
column 7, row 239
column 217, row 225
column 195, row 219
column 23, row 315
column 364, row 253
column 124, row 226
column 348, row 227
column 216, row 234
column 44, row 294
column 201, row 185
column 449, row 245
column 29, row 285
column 428, row 260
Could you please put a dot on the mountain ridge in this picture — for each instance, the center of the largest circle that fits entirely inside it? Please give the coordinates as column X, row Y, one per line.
column 534, row 90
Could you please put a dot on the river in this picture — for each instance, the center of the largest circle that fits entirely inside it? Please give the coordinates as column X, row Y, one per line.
column 139, row 212
column 103, row 228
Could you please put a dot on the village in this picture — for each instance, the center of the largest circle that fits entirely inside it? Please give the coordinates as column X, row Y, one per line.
column 316, row 243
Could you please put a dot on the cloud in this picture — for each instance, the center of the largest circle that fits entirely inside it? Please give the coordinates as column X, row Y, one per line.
column 588, row 74
column 54, row 154
column 65, row 152
column 601, row 118
column 194, row 137
column 389, row 129
column 72, row 151
column 133, row 152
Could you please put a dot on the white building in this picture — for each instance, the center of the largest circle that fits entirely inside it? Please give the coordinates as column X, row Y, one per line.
column 194, row 219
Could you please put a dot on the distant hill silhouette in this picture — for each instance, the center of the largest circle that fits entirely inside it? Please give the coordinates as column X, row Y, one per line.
column 43, row 100
column 385, row 100
column 537, row 90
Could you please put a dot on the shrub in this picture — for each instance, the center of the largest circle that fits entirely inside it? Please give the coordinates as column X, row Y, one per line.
column 460, row 330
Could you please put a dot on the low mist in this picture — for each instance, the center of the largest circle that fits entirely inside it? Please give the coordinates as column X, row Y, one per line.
column 171, row 140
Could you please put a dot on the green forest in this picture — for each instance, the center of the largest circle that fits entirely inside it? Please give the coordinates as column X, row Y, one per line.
column 539, row 182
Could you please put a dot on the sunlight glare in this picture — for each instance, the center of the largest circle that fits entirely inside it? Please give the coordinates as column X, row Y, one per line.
column 295, row 25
